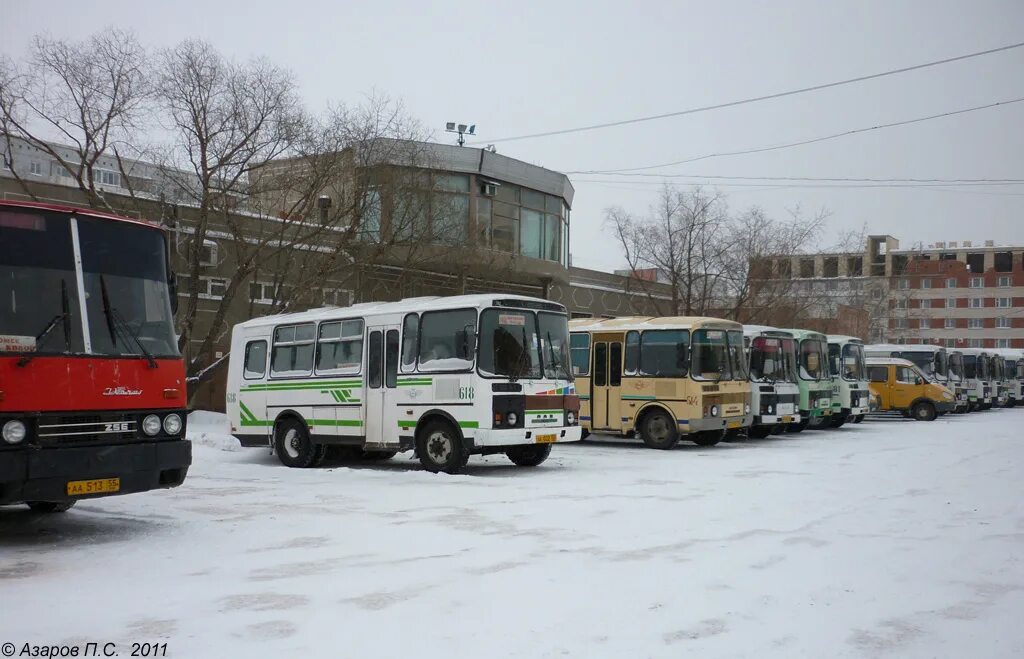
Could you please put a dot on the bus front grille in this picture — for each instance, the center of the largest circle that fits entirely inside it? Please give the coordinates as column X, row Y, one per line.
column 85, row 428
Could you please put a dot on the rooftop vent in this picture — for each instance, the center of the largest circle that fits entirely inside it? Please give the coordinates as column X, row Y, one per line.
column 990, row 243
column 968, row 243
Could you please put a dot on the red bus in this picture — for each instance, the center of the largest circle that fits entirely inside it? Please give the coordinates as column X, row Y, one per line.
column 92, row 386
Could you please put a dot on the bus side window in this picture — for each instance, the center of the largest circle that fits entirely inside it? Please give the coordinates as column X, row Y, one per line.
column 374, row 361
column 632, row 352
column 391, row 359
column 410, row 342
column 255, row 360
column 878, row 374
column 579, row 350
column 600, row 364
column 293, row 351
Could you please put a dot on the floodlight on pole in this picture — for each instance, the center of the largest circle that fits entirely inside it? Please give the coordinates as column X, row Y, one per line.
column 461, row 129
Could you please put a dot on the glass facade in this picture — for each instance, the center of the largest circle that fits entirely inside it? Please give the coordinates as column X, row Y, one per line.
column 463, row 209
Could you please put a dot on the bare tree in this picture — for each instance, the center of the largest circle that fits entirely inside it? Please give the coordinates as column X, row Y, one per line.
column 684, row 237
column 88, row 94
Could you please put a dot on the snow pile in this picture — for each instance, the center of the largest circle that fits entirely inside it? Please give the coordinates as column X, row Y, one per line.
column 211, row 429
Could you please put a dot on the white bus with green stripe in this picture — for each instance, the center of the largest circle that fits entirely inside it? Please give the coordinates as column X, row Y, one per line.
column 448, row 377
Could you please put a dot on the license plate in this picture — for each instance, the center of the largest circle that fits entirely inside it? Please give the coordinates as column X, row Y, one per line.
column 79, row 488
column 734, row 424
column 787, row 419
column 547, row 439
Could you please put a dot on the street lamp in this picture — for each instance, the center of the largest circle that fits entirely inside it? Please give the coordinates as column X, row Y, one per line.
column 461, row 129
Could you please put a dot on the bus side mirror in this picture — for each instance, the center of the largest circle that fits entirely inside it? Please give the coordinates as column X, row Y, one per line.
column 172, row 288
column 465, row 342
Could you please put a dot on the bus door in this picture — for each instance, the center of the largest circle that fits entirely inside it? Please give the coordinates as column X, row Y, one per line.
column 606, row 385
column 382, row 354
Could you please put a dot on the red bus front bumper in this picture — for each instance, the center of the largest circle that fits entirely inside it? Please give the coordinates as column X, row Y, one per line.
column 42, row 474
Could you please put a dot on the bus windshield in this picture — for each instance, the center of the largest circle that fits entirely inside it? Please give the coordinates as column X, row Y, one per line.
column 970, row 367
column 124, row 276
column 956, row 367
column 813, row 365
column 519, row 344
column 711, row 358
column 926, row 361
column 789, row 354
column 737, row 357
column 769, row 360
column 853, row 367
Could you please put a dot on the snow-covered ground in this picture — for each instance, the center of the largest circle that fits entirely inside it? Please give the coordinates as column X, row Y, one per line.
column 890, row 538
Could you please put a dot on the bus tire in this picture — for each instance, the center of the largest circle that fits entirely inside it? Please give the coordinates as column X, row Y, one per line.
column 759, row 432
column 798, row 427
column 439, row 448
column 779, row 429
column 837, row 421
column 46, row 507
column 321, row 452
column 924, row 411
column 858, row 418
column 708, row 437
column 658, row 430
column 529, row 455
column 293, row 446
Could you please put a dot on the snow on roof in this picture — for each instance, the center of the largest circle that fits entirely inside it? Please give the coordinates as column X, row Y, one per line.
column 889, row 361
column 752, row 331
column 408, row 305
column 650, row 322
column 803, row 334
column 842, row 338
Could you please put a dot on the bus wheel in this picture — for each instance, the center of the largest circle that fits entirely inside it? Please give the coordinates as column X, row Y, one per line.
column 50, row 506
column 759, row 432
column 837, row 421
column 439, row 448
column 529, row 455
column 798, row 427
column 320, row 454
column 292, row 445
column 659, row 431
column 779, row 429
column 858, row 418
column 708, row 437
column 584, row 434
column 924, row 411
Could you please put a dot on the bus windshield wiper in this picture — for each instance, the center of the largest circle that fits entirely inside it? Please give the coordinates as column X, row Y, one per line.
column 118, row 326
column 60, row 319
column 524, row 356
column 554, row 358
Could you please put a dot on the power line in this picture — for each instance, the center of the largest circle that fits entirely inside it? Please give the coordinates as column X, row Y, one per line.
column 755, row 99
column 708, row 177
column 802, row 142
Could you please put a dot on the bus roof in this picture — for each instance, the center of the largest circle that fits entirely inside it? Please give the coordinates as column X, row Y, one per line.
column 803, row 334
column 889, row 361
column 408, row 305
column 842, row 338
column 651, row 322
column 88, row 212
column 974, row 352
column 903, row 347
column 766, row 330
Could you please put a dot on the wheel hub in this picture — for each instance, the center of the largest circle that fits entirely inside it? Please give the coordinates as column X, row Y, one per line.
column 439, row 446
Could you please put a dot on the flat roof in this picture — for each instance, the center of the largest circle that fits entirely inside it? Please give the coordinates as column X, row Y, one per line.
column 650, row 322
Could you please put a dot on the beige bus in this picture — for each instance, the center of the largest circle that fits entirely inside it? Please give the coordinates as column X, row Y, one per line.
column 662, row 379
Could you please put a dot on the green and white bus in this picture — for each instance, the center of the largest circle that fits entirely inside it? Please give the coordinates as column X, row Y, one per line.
column 447, row 377
column 850, row 393
column 814, row 380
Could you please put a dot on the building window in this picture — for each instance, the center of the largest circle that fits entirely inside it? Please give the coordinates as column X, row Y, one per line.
column 976, row 303
column 951, row 282
column 950, row 323
column 976, row 262
column 924, row 324
column 107, row 177
column 369, row 222
column 926, row 283
column 212, row 288
column 876, row 293
column 977, row 282
column 975, row 343
column 531, row 233
column 208, row 253
column 806, row 268
column 926, row 304
column 335, row 297
column 483, row 221
column 1004, row 282
column 974, row 323
column 901, row 304
column 949, row 343
column 261, row 292
column 951, row 303
column 1003, row 261
column 1002, row 343
column 1003, row 323
column 900, row 323
column 903, row 284
column 35, row 168
column 1003, row 302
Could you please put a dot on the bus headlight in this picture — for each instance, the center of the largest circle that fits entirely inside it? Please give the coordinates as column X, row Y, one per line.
column 511, row 418
column 172, row 424
column 151, row 425
column 570, row 418
column 746, row 408
column 771, row 409
column 14, row 432
column 714, row 410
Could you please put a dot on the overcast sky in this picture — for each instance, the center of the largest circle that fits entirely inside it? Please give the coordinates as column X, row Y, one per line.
column 519, row 68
